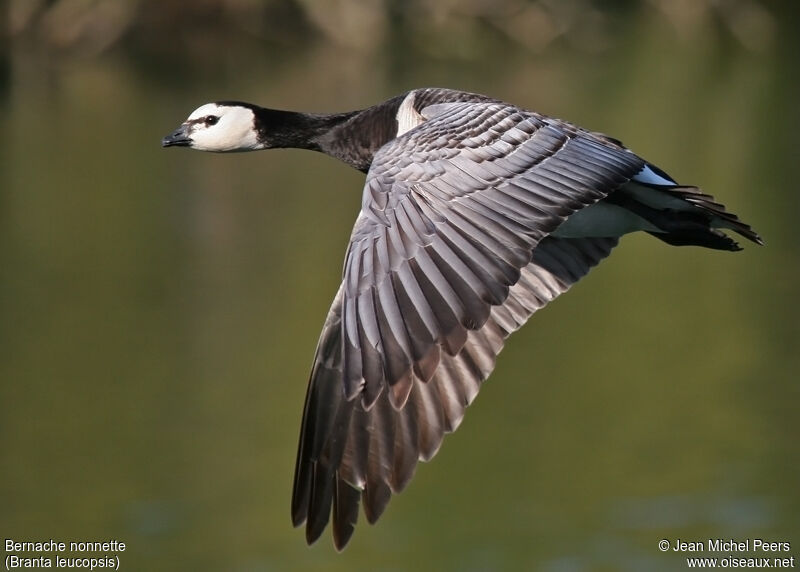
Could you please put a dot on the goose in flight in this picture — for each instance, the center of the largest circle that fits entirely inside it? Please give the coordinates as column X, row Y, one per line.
column 475, row 214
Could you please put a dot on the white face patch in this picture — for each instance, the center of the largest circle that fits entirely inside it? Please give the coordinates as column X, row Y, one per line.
column 222, row 128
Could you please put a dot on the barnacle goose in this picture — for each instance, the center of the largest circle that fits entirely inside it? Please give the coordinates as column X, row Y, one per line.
column 475, row 214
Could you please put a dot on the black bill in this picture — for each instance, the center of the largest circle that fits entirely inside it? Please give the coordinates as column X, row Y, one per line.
column 178, row 138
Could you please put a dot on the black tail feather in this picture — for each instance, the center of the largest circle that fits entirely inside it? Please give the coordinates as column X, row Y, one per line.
column 694, row 222
column 708, row 237
column 706, row 202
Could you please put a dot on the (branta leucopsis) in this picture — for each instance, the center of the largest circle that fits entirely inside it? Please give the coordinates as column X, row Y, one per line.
column 475, row 214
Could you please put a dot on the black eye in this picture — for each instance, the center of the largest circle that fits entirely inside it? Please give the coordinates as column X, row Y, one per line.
column 211, row 120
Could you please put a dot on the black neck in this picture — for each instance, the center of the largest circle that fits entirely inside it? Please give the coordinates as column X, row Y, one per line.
column 352, row 137
column 279, row 129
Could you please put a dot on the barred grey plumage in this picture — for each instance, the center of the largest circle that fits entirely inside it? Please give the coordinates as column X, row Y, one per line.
column 475, row 214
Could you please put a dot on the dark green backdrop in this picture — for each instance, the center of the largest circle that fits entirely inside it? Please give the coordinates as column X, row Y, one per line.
column 159, row 308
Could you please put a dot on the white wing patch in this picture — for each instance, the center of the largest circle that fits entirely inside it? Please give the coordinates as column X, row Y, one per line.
column 407, row 117
column 649, row 177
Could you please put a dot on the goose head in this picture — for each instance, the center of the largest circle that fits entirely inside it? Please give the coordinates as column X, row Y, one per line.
column 218, row 127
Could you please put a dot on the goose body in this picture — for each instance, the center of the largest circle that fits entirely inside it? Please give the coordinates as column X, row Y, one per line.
column 475, row 214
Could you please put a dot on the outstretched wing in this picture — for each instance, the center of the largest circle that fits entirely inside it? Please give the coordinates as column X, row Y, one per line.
column 449, row 255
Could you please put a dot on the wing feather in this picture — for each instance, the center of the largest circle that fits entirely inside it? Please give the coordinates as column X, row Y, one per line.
column 451, row 254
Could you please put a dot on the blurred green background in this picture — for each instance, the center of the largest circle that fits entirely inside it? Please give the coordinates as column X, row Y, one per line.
column 159, row 308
